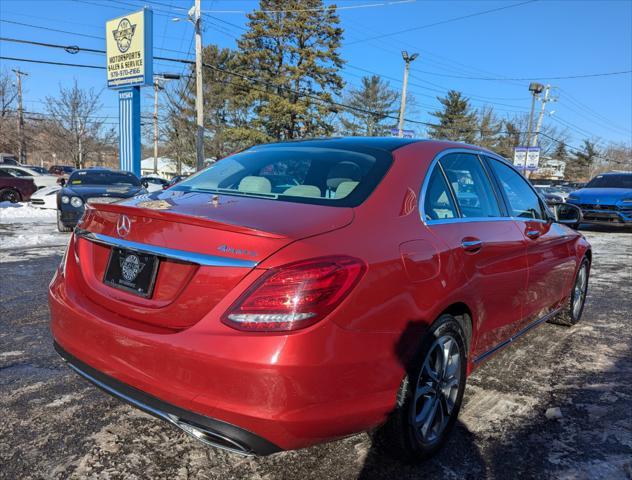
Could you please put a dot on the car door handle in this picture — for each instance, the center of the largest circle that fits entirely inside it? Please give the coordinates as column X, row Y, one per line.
column 533, row 234
column 470, row 244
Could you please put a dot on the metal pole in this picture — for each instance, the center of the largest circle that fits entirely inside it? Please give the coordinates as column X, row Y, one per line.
column 538, row 125
column 22, row 142
column 531, row 119
column 199, row 93
column 402, row 107
column 156, row 88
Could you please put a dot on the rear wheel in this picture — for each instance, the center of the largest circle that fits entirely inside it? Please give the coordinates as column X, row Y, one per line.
column 10, row 195
column 572, row 312
column 60, row 225
column 430, row 397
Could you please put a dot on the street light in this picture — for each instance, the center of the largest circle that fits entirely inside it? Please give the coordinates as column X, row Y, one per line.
column 402, row 108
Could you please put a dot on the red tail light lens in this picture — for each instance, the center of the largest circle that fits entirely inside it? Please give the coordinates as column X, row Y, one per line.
column 296, row 295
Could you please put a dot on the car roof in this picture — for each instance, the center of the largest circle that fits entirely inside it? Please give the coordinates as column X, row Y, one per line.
column 346, row 143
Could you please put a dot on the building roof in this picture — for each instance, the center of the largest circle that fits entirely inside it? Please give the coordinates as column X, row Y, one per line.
column 165, row 164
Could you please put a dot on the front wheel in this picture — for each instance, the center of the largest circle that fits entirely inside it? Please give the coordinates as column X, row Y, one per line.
column 572, row 311
column 60, row 225
column 430, row 397
column 10, row 195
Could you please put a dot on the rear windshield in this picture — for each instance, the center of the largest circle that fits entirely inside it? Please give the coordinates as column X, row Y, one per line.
column 322, row 176
column 86, row 177
column 621, row 180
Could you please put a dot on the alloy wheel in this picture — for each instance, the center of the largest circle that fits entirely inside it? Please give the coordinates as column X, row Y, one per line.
column 437, row 388
column 579, row 290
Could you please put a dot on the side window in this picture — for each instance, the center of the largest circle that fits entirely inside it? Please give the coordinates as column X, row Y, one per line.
column 438, row 202
column 523, row 201
column 471, row 185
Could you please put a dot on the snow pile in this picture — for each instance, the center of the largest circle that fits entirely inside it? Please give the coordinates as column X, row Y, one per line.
column 32, row 239
column 23, row 213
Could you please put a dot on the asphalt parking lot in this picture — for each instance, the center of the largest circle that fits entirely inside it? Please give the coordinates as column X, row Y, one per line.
column 56, row 425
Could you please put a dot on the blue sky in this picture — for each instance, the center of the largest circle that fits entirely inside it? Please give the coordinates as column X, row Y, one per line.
column 538, row 39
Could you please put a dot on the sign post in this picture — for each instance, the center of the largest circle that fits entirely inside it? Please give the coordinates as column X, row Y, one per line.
column 129, row 67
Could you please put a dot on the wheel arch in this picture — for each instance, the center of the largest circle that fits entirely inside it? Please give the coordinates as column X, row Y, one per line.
column 463, row 315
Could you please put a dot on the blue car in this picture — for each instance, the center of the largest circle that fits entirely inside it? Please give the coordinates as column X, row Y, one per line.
column 606, row 199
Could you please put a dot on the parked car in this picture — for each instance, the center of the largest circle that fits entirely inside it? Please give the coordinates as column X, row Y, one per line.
column 15, row 189
column 37, row 169
column 154, row 184
column 359, row 299
column 40, row 180
column 8, row 159
column 549, row 195
column 92, row 186
column 46, row 197
column 174, row 180
column 606, row 199
column 61, row 170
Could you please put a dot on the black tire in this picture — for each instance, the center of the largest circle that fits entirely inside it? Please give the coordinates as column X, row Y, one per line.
column 404, row 435
column 10, row 195
column 572, row 312
column 60, row 225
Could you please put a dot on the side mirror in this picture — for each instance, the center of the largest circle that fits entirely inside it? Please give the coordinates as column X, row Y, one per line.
column 145, row 183
column 567, row 213
column 62, row 181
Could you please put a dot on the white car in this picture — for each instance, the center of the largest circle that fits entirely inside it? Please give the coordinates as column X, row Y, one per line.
column 46, row 197
column 40, row 180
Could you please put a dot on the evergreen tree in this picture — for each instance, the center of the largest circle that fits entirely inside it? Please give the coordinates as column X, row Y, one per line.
column 509, row 139
column 579, row 168
column 560, row 152
column 376, row 96
column 456, row 121
column 291, row 48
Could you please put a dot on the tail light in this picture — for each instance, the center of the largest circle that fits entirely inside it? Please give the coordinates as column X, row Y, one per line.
column 296, row 295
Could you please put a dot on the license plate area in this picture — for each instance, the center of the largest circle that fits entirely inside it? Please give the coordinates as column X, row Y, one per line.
column 132, row 271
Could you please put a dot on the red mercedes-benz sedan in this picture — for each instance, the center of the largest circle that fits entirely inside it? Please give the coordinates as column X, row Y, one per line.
column 300, row 292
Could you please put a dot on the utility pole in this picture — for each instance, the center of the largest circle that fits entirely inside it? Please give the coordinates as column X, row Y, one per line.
column 199, row 91
column 22, row 143
column 156, row 89
column 538, row 126
column 402, row 108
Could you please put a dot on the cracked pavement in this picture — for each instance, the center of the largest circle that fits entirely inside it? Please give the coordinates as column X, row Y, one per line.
column 57, row 425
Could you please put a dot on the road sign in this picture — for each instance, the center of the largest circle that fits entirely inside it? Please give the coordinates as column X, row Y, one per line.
column 405, row 133
column 526, row 158
column 129, row 50
column 533, row 158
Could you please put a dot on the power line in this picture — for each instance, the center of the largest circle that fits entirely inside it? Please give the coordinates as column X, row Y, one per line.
column 442, row 22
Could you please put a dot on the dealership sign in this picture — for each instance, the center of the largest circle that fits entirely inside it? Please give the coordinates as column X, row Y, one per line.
column 129, row 50
column 526, row 158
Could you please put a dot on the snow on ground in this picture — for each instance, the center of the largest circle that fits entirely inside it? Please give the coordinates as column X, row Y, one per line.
column 26, row 231
column 24, row 213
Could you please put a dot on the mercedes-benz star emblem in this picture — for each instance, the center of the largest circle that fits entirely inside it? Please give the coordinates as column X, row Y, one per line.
column 123, row 226
column 131, row 266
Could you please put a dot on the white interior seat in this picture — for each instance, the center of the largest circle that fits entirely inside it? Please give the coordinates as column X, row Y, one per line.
column 303, row 191
column 345, row 188
column 255, row 185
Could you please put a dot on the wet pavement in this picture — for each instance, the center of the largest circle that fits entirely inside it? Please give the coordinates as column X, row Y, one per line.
column 56, row 425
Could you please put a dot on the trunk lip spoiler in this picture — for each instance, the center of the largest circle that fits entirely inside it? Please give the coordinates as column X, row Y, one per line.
column 202, row 259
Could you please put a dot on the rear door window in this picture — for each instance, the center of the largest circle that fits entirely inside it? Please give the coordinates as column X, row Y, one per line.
column 438, row 203
column 471, row 185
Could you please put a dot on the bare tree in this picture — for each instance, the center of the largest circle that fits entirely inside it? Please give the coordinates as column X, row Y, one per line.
column 8, row 96
column 75, row 125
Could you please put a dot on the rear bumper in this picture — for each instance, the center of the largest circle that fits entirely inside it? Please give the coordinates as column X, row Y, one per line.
column 292, row 390
column 208, row 430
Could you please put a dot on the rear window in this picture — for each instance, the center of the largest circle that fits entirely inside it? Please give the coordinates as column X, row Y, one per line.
column 621, row 180
column 86, row 177
column 322, row 176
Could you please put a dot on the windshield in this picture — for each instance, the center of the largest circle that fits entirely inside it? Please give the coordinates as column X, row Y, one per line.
column 617, row 180
column 87, row 177
column 323, row 176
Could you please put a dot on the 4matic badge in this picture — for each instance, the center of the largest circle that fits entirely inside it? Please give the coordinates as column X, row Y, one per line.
column 236, row 251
